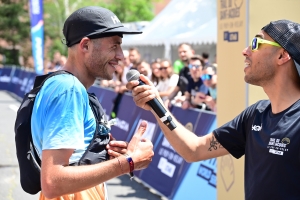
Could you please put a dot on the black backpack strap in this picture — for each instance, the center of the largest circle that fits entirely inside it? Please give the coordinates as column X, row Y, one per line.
column 96, row 151
column 40, row 80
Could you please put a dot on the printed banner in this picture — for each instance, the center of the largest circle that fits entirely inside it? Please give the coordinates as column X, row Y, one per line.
column 23, row 80
column 96, row 90
column 106, row 100
column 167, row 165
column 37, row 34
column 124, row 118
column 202, row 174
column 5, row 79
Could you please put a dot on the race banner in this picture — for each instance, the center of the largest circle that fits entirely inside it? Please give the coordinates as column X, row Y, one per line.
column 37, row 34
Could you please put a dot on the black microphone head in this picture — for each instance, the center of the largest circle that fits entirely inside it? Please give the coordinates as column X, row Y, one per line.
column 132, row 75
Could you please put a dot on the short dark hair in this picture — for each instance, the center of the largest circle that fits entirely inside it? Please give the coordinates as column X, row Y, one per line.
column 197, row 57
column 185, row 43
column 134, row 49
column 205, row 55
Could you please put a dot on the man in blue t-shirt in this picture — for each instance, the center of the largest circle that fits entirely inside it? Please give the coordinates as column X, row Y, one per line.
column 63, row 123
column 267, row 132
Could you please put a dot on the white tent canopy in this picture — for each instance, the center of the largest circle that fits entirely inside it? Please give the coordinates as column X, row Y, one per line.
column 192, row 21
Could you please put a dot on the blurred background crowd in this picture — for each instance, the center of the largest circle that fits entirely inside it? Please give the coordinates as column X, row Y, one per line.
column 189, row 82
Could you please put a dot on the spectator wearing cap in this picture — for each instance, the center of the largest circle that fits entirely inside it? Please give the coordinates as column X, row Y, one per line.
column 267, row 132
column 77, row 151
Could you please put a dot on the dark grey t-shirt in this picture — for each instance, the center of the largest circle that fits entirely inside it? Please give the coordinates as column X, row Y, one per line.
column 271, row 145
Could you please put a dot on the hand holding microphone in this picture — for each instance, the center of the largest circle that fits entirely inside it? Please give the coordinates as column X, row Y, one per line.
column 142, row 98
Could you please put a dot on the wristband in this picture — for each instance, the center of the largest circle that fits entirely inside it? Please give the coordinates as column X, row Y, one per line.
column 131, row 164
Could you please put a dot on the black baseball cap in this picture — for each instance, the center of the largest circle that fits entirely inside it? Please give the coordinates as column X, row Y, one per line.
column 287, row 34
column 93, row 22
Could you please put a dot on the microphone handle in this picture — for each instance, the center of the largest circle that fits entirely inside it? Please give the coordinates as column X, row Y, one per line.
column 161, row 112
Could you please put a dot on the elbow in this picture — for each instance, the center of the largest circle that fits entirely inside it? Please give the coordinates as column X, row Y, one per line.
column 50, row 190
column 190, row 159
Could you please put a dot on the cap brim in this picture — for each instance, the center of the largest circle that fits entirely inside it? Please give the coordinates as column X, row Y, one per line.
column 122, row 30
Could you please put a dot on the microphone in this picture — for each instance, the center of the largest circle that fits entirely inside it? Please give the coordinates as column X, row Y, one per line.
column 161, row 112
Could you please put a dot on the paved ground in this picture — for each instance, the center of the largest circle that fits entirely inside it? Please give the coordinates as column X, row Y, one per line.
column 121, row 188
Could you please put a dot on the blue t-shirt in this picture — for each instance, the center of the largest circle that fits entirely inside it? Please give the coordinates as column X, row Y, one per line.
column 62, row 117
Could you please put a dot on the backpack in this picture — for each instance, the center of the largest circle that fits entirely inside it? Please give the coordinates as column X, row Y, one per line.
column 28, row 159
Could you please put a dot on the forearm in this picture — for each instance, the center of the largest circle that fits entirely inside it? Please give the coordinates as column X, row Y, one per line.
column 183, row 141
column 61, row 180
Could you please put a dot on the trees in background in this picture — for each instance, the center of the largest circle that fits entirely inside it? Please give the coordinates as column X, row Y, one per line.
column 14, row 30
column 15, row 22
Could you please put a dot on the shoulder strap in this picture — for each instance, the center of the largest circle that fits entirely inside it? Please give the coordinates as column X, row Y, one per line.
column 97, row 109
column 40, row 80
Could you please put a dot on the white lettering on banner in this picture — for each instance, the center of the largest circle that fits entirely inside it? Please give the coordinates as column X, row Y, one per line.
column 170, row 155
column 29, row 85
column 165, row 143
column 208, row 170
column 36, row 9
column 5, row 79
column 166, row 167
column 123, row 125
column 15, row 80
column 39, row 54
column 23, row 85
column 115, row 19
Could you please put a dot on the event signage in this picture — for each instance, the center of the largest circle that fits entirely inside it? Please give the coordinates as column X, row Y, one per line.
column 5, row 78
column 37, row 34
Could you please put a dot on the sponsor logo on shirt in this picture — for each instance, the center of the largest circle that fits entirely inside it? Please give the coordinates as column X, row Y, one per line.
column 256, row 127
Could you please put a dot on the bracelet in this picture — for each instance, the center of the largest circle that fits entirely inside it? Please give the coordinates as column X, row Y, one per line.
column 131, row 164
column 120, row 165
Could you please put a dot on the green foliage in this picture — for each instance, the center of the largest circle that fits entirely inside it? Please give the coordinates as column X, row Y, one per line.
column 14, row 26
column 15, row 21
column 131, row 10
column 56, row 12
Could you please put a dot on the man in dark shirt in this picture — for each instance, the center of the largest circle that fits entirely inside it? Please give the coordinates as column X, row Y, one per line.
column 186, row 51
column 195, row 85
column 267, row 132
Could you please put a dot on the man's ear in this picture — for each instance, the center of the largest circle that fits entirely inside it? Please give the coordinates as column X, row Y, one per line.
column 84, row 44
column 284, row 57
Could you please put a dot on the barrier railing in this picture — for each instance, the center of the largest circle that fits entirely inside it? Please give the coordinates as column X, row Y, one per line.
column 168, row 173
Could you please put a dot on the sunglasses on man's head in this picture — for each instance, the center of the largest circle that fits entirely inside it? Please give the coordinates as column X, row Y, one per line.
column 206, row 77
column 196, row 66
column 256, row 41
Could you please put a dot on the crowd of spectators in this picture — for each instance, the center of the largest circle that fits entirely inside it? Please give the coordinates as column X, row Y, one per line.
column 190, row 82
column 56, row 63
